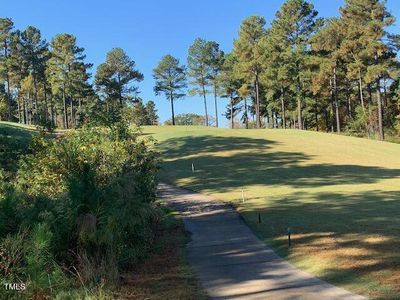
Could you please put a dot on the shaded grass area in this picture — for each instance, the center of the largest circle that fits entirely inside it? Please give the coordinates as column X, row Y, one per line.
column 165, row 274
column 14, row 142
column 339, row 195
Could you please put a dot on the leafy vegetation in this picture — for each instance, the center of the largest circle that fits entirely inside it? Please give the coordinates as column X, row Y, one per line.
column 165, row 274
column 79, row 211
column 339, row 195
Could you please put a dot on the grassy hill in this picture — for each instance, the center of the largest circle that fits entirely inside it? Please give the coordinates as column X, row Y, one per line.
column 14, row 141
column 339, row 195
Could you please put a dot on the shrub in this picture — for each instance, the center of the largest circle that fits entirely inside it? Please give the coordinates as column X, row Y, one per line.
column 86, row 200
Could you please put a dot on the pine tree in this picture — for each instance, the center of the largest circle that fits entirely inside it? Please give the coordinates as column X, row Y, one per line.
column 170, row 79
column 248, row 50
column 365, row 47
column 327, row 43
column 35, row 51
column 151, row 113
column 66, row 59
column 216, row 60
column 6, row 26
column 229, row 86
column 115, row 78
column 139, row 113
column 18, row 71
column 295, row 23
column 199, row 70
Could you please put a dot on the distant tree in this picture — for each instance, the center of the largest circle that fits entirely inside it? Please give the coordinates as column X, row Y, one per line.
column 189, row 119
column 215, row 62
column 369, row 55
column 229, row 86
column 66, row 65
column 151, row 113
column 170, row 79
column 17, row 72
column 114, row 78
column 139, row 114
column 6, row 26
column 327, row 42
column 247, row 49
column 198, row 62
column 35, row 51
column 293, row 27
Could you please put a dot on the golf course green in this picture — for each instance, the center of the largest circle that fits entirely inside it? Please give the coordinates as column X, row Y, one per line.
column 339, row 195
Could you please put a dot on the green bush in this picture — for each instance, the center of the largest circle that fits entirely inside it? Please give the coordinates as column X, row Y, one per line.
column 86, row 200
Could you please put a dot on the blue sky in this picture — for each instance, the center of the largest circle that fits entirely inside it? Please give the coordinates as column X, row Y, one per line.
column 149, row 29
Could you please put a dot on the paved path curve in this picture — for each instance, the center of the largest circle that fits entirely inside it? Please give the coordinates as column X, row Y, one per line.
column 232, row 263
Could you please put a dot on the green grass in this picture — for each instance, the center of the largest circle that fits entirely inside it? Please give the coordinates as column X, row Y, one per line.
column 339, row 195
column 14, row 141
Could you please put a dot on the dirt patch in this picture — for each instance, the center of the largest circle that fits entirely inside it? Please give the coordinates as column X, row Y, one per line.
column 165, row 274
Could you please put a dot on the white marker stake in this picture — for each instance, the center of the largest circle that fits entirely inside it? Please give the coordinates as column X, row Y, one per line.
column 193, row 168
column 243, row 196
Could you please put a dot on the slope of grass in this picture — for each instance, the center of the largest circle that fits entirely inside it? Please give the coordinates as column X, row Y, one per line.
column 14, row 141
column 339, row 195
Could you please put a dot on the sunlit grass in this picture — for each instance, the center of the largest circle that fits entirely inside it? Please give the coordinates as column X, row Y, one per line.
column 339, row 195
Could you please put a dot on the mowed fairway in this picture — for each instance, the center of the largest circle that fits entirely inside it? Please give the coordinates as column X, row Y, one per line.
column 339, row 195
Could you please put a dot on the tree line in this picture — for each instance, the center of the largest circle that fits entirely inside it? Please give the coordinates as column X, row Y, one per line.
column 48, row 84
column 301, row 72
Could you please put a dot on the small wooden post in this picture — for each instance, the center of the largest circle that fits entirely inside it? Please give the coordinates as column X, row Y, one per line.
column 193, row 170
column 289, row 239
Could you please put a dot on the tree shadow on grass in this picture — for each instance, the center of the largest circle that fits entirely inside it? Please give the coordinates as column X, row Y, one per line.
column 358, row 229
column 194, row 145
column 356, row 237
column 221, row 170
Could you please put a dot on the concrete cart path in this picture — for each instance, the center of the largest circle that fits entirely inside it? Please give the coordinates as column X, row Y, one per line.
column 232, row 263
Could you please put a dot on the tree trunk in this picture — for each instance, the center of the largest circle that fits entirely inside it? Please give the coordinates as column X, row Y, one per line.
column 24, row 109
column 246, row 117
column 258, row 117
column 385, row 98
column 216, row 106
column 332, row 105
column 65, row 110
column 326, row 120
column 19, row 108
column 283, row 108
column 232, row 123
column 9, row 103
column 171, row 99
column 72, row 112
column 336, row 100
column 30, row 106
column 119, row 91
column 55, row 117
column 46, row 107
column 53, row 121
column 9, row 98
column 348, row 97
column 316, row 115
column 299, row 96
column 380, row 110
column 205, row 103
column 35, row 97
column 361, row 91
column 299, row 117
